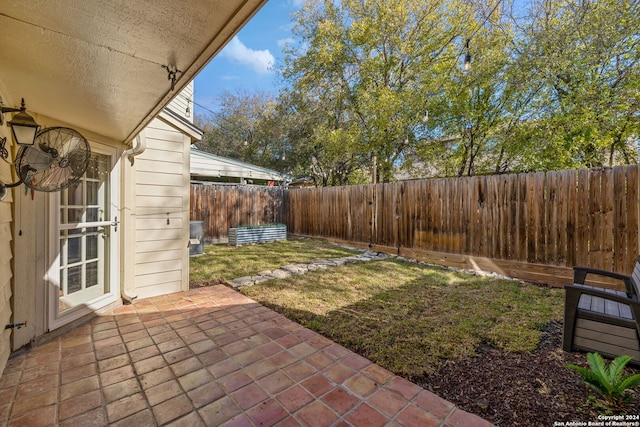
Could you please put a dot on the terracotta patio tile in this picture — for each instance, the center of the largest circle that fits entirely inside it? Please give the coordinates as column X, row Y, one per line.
column 102, row 324
column 360, row 385
column 336, row 351
column 164, row 337
column 282, row 359
column 142, row 418
column 226, row 338
column 260, row 369
column 33, row 401
column 77, row 360
column 94, row 418
column 288, row 341
column 256, row 339
column 320, row 342
column 43, row 359
column 414, row 416
column 319, row 360
column 108, row 333
column 248, row 357
column 39, row 417
column 405, row 388
column 75, row 406
column 7, row 395
column 249, row 396
column 68, row 342
column 150, row 364
column 288, row 422
column 236, row 348
column 216, row 413
column 223, row 368
column 162, row 392
column 117, row 375
column 140, row 343
column 294, row 398
column 269, row 349
column 39, row 371
column 76, row 350
column 274, row 333
column 275, row 382
column 144, row 353
column 177, row 355
column 340, row 400
column 159, row 329
column 79, row 387
column 39, row 384
column 205, row 394
column 434, row 404
column 192, row 419
column 299, row 371
column 316, row 414
column 302, row 350
column 365, row 416
column 114, row 362
column 120, row 390
column 125, row 407
column 195, row 379
column 202, row 345
column 156, row 377
column 110, row 351
column 10, row 379
column 195, row 337
column 109, row 342
column 186, row 366
column 387, row 402
column 356, row 362
column 173, row 345
column 71, row 375
column 135, row 335
column 235, row 381
column 317, row 385
column 212, row 356
column 172, row 409
column 240, row 421
column 377, row 373
column 460, row 418
column 267, row 413
column 338, row 372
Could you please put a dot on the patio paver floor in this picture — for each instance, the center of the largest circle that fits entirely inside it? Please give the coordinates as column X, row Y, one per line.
column 208, row 357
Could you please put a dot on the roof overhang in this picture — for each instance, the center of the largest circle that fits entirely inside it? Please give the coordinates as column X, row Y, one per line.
column 98, row 64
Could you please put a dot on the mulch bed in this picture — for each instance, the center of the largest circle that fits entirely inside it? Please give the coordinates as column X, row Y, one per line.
column 535, row 389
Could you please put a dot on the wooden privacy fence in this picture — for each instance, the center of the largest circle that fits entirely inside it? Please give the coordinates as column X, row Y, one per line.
column 221, row 207
column 533, row 226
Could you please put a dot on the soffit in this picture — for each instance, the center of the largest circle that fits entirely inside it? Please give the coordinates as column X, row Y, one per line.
column 98, row 64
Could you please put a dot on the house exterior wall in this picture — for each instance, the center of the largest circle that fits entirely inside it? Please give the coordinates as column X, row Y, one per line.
column 162, row 212
column 182, row 104
column 6, row 253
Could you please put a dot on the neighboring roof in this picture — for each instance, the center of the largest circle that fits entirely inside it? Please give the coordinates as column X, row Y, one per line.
column 205, row 164
column 98, row 65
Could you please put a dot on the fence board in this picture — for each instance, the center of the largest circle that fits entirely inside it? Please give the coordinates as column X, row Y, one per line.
column 548, row 222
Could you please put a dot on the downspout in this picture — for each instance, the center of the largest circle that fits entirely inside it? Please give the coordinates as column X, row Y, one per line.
column 128, row 217
column 141, row 145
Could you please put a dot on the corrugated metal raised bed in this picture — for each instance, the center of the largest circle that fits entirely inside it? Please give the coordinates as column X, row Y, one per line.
column 257, row 234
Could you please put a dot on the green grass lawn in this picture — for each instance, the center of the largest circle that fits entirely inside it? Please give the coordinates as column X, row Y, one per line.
column 407, row 317
column 224, row 262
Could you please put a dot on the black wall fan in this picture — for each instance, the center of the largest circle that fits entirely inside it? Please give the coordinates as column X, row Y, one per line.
column 57, row 159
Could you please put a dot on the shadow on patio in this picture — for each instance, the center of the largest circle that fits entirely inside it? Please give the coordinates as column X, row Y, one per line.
column 213, row 357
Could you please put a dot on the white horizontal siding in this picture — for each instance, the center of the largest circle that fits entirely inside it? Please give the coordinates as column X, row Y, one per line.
column 162, row 195
column 183, row 100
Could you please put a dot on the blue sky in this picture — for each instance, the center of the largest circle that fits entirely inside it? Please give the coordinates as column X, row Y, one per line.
column 245, row 63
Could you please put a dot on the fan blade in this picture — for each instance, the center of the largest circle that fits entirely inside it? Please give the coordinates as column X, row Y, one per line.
column 37, row 159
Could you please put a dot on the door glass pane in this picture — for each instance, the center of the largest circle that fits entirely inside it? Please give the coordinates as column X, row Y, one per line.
column 83, row 250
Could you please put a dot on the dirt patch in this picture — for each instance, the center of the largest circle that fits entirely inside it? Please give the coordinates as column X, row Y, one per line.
column 535, row 389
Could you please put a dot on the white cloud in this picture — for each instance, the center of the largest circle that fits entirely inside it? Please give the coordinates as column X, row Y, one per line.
column 286, row 42
column 260, row 61
column 297, row 3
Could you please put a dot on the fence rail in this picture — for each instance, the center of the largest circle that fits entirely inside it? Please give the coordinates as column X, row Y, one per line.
column 533, row 226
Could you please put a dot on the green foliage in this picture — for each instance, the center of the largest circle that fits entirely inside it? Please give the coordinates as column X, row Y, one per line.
column 608, row 380
column 552, row 85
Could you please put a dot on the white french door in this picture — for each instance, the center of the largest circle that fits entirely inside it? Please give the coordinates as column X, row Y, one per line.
column 83, row 273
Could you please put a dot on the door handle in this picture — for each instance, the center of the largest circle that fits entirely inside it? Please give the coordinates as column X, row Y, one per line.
column 115, row 224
